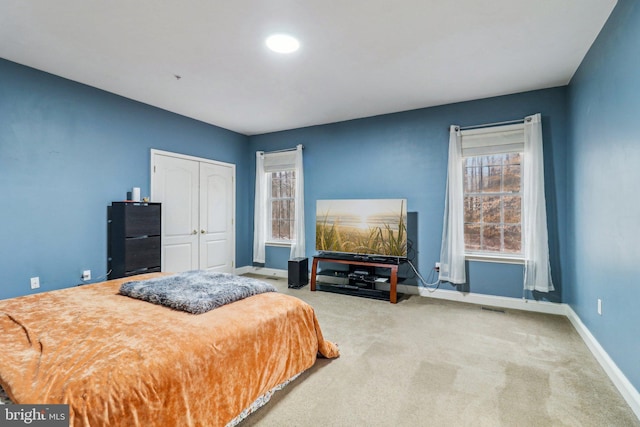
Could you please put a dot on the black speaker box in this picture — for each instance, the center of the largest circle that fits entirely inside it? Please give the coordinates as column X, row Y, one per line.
column 298, row 272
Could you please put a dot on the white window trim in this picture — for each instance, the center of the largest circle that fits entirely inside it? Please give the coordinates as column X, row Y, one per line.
column 270, row 241
column 279, row 243
column 509, row 144
column 493, row 257
column 501, row 254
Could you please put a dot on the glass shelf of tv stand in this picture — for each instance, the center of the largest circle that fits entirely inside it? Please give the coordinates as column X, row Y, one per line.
column 328, row 275
column 354, row 291
column 345, row 282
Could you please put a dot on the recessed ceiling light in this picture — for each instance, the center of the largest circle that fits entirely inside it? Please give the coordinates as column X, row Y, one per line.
column 282, row 43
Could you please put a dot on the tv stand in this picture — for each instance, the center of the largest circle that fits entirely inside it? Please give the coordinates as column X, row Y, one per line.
column 393, row 277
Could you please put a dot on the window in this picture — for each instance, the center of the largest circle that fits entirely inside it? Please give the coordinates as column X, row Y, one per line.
column 278, row 217
column 492, row 189
column 495, row 206
column 281, row 205
column 493, row 203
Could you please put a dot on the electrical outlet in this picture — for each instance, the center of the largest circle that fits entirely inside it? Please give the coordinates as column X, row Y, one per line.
column 437, row 266
column 35, row 282
column 599, row 306
column 86, row 275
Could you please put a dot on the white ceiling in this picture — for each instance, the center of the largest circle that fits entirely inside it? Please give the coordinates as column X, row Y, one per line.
column 358, row 58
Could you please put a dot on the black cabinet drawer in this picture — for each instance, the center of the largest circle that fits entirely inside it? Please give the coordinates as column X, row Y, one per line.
column 142, row 271
column 142, row 220
column 142, row 253
column 134, row 238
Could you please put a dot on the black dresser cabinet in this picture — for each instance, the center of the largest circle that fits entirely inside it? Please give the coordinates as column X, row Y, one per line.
column 134, row 238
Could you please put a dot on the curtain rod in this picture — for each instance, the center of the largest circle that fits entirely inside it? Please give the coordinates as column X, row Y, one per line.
column 508, row 122
column 283, row 150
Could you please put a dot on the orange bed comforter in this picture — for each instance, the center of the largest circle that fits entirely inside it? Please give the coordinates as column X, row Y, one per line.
column 118, row 361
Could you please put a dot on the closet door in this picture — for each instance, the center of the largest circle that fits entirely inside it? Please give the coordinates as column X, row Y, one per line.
column 216, row 218
column 198, row 210
column 176, row 186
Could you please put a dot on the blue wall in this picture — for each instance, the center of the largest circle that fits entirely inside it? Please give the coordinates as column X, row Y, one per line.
column 404, row 155
column 604, row 164
column 66, row 152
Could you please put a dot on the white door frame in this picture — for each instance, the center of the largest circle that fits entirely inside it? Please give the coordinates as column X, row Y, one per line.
column 204, row 160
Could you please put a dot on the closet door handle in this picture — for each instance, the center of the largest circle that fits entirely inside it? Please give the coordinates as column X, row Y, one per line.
column 202, row 231
column 194, row 232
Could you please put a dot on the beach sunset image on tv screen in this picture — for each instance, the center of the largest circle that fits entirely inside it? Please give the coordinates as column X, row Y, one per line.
column 366, row 226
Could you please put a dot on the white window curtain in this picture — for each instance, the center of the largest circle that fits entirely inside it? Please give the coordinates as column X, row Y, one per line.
column 452, row 266
column 537, row 272
column 260, row 211
column 298, row 247
column 272, row 162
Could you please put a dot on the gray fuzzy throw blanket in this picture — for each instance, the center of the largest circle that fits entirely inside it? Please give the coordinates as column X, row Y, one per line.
column 195, row 291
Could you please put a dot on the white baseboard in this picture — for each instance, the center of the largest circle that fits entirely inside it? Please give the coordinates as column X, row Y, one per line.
column 624, row 386
column 270, row 272
column 243, row 270
column 494, row 301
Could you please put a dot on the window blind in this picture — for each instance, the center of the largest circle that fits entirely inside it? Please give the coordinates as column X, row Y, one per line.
column 493, row 140
column 274, row 162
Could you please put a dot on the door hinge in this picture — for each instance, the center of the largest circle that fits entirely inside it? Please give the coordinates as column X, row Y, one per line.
column 154, row 168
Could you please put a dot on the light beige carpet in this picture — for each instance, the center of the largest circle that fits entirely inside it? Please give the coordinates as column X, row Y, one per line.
column 427, row 362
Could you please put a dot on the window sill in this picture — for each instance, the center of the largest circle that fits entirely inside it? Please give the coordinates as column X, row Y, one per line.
column 500, row 258
column 279, row 244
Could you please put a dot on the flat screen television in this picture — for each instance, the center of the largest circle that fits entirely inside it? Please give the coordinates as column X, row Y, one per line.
column 371, row 227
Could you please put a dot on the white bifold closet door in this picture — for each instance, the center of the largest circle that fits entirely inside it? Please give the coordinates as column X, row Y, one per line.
column 198, row 212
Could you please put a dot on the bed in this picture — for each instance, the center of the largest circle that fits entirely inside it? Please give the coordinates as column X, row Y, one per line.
column 119, row 361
